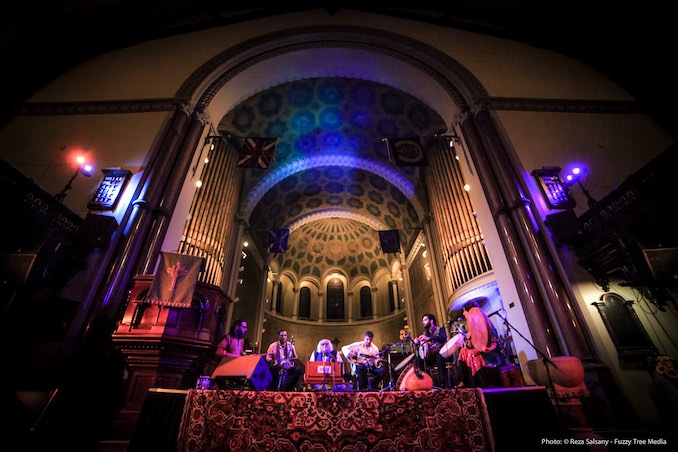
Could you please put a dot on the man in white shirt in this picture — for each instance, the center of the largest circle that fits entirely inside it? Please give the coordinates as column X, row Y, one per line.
column 365, row 362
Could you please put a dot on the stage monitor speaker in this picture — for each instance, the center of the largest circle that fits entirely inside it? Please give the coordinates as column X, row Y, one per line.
column 243, row 372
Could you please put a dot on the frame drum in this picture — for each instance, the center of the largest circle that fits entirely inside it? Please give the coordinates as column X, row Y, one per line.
column 452, row 345
column 402, row 364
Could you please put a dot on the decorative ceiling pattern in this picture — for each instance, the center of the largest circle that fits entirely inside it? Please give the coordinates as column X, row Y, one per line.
column 332, row 157
column 335, row 242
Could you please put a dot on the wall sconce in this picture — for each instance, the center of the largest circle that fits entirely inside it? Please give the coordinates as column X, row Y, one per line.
column 451, row 137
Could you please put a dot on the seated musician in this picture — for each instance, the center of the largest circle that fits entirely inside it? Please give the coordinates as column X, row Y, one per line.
column 428, row 348
column 480, row 347
column 281, row 357
column 365, row 363
column 325, row 352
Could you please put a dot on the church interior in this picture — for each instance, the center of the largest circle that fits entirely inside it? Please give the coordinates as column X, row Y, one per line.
column 173, row 169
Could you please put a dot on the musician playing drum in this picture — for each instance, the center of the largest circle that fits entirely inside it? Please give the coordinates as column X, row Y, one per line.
column 281, row 357
column 428, row 348
column 365, row 362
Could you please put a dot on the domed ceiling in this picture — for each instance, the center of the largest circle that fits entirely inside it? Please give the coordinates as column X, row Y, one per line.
column 332, row 181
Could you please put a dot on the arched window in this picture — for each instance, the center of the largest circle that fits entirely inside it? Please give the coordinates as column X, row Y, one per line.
column 305, row 303
column 279, row 306
column 393, row 295
column 365, row 302
column 335, row 300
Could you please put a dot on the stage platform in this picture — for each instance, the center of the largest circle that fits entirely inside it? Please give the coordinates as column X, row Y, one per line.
column 446, row 420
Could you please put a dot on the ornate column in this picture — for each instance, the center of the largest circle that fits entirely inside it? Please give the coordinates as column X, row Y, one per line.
column 542, row 262
column 394, row 292
column 170, row 195
column 274, row 295
column 538, row 320
column 124, row 255
column 438, row 295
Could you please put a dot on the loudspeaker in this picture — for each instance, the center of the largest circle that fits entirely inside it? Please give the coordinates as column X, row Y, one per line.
column 98, row 229
column 563, row 226
column 389, row 241
column 663, row 265
column 243, row 372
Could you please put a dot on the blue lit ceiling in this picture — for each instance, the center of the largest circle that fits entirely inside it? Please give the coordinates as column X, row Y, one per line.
column 331, row 180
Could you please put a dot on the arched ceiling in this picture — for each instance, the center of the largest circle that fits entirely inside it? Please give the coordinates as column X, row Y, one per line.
column 332, row 181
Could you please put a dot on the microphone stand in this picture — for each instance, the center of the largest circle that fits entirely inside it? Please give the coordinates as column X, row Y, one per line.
column 391, row 383
column 546, row 360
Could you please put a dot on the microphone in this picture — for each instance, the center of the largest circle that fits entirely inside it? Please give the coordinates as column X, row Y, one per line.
column 292, row 339
column 495, row 312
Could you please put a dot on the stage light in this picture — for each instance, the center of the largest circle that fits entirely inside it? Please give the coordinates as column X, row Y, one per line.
column 575, row 177
column 82, row 167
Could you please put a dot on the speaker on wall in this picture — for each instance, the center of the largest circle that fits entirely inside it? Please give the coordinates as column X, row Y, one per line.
column 243, row 372
column 98, row 229
column 390, row 241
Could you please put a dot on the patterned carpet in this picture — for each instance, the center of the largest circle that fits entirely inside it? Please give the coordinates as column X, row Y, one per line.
column 238, row 420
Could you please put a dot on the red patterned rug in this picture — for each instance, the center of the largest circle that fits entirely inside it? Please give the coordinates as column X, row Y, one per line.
column 238, row 420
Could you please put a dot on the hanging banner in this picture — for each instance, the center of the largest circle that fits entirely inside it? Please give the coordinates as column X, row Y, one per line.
column 407, row 151
column 174, row 281
column 257, row 152
column 277, row 240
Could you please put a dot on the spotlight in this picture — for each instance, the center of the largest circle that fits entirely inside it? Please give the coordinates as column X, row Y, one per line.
column 83, row 167
column 575, row 178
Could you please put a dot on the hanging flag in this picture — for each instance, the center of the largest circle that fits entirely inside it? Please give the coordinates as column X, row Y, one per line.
column 390, row 241
column 257, row 152
column 407, row 151
column 174, row 281
column 277, row 243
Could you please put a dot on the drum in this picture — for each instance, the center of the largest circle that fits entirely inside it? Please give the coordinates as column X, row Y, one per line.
column 402, row 364
column 409, row 381
column 480, row 330
column 427, row 349
column 452, row 345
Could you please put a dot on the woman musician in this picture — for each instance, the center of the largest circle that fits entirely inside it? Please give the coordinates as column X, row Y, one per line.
column 480, row 347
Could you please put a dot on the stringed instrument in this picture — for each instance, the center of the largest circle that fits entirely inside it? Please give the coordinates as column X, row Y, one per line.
column 413, row 379
column 285, row 363
column 363, row 358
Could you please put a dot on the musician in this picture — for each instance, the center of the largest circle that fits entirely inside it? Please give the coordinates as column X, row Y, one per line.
column 281, row 357
column 480, row 347
column 428, row 348
column 365, row 363
column 324, row 352
column 232, row 345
